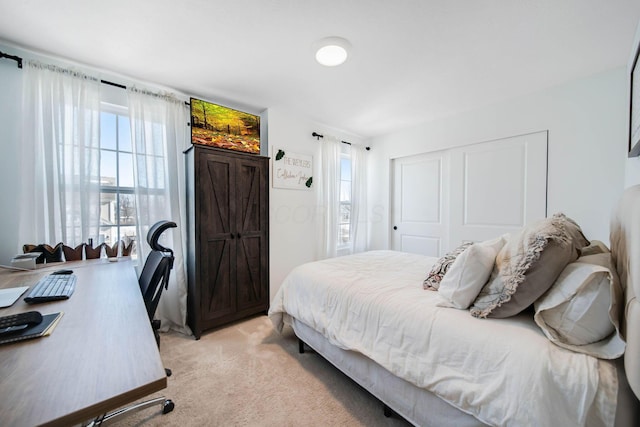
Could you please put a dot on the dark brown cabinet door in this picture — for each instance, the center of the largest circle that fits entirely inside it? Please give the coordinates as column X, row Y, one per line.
column 231, row 238
column 251, row 203
column 217, row 249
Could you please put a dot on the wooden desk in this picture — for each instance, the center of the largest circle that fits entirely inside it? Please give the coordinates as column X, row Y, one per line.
column 102, row 355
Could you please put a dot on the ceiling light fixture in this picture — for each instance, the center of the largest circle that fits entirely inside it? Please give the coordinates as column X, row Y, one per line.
column 332, row 51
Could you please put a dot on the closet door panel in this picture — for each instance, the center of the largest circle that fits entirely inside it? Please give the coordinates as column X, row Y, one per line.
column 497, row 187
column 470, row 193
column 419, row 219
column 490, row 178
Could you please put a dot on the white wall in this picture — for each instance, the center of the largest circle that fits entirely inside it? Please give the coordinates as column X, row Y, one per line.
column 295, row 215
column 587, row 147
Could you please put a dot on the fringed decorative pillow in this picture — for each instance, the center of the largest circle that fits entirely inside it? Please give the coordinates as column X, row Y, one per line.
column 527, row 266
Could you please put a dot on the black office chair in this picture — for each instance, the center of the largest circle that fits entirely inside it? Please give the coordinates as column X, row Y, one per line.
column 154, row 278
column 155, row 274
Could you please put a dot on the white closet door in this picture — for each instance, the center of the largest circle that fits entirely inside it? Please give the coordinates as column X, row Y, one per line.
column 475, row 192
column 497, row 187
column 420, row 209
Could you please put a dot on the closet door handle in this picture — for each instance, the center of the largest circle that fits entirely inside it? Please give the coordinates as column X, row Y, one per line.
column 238, row 235
column 232, row 236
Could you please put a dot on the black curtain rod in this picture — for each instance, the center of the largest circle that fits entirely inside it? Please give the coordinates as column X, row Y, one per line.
column 107, row 82
column 318, row 136
column 12, row 57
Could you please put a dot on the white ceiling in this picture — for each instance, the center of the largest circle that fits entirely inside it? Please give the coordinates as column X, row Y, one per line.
column 412, row 60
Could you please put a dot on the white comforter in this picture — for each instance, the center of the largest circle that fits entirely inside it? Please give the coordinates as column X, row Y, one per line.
column 502, row 371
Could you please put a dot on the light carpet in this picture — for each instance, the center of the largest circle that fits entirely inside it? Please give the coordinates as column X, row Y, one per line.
column 246, row 374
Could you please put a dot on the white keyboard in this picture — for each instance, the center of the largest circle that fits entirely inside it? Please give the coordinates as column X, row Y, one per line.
column 53, row 287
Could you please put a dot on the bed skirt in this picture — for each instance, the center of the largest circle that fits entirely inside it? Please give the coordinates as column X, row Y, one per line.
column 418, row 406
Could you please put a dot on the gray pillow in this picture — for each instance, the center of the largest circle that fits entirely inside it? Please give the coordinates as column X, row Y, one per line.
column 527, row 266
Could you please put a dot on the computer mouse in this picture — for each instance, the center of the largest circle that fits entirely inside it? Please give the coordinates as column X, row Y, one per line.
column 63, row 272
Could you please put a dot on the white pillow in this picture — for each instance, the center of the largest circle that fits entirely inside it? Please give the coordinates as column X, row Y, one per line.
column 469, row 273
column 580, row 311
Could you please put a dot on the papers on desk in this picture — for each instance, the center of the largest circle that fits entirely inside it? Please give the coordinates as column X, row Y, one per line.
column 10, row 295
column 42, row 329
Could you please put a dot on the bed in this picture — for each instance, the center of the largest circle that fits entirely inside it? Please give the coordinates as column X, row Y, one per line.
column 435, row 363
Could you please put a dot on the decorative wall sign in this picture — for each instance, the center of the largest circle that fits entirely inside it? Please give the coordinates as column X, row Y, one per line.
column 292, row 170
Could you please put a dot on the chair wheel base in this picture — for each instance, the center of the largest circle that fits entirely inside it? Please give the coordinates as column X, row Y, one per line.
column 167, row 372
column 167, row 406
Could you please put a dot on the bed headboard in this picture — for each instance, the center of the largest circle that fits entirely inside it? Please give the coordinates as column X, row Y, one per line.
column 625, row 249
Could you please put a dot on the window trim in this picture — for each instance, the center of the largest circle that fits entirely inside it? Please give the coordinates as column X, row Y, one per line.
column 117, row 190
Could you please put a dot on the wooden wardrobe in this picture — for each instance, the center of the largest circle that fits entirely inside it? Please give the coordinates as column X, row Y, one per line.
column 228, row 216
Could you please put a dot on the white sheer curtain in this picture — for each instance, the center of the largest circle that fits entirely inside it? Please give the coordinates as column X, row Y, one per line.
column 60, row 156
column 329, row 197
column 159, row 133
column 359, row 206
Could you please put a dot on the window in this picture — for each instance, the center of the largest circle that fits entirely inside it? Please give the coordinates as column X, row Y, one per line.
column 344, row 201
column 344, row 223
column 117, row 201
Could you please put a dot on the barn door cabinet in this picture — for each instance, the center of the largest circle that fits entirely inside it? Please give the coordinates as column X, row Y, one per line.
column 228, row 214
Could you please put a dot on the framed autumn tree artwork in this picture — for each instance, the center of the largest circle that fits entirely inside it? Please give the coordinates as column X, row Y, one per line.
column 223, row 127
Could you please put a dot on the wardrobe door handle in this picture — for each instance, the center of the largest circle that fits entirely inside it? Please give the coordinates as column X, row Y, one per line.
column 232, row 236
column 238, row 235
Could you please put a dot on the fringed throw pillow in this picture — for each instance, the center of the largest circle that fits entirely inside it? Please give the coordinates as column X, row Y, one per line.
column 527, row 266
